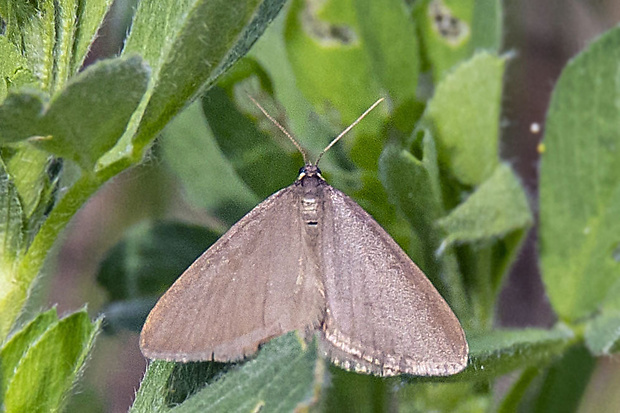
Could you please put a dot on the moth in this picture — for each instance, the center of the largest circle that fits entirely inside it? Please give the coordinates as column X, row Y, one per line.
column 309, row 258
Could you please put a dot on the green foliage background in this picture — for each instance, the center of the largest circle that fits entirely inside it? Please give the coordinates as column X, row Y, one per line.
column 425, row 165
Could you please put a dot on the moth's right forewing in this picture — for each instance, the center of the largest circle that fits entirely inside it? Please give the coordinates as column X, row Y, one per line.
column 250, row 286
column 383, row 315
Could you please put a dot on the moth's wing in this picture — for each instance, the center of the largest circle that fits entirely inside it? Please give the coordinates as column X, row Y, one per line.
column 383, row 315
column 256, row 282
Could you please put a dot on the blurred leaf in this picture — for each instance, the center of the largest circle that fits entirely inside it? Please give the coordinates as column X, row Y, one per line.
column 444, row 398
column 168, row 33
column 348, row 44
column 487, row 31
column 453, row 30
column 87, row 399
column 352, row 392
column 280, row 378
column 411, row 180
column 46, row 372
column 89, row 19
column 580, row 182
column 564, row 383
column 496, row 208
column 191, row 151
column 19, row 344
column 249, row 149
column 390, row 40
column 498, row 352
column 301, row 120
column 86, row 118
column 515, row 395
column 463, row 116
column 128, row 314
column 150, row 257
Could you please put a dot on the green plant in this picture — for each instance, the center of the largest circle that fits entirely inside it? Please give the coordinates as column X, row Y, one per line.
column 426, row 166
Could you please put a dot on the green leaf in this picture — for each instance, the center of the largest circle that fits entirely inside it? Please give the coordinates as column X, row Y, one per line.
column 168, row 33
column 151, row 397
column 497, row 207
column 190, row 150
column 86, row 118
column 463, row 116
column 279, row 379
column 14, row 70
column 46, row 372
column 21, row 280
column 19, row 115
column 53, row 36
column 19, row 344
column 31, row 27
column 580, row 182
column 90, row 18
column 411, row 180
column 248, row 148
column 11, row 228
column 452, row 30
column 498, row 352
column 488, row 228
column 603, row 333
column 150, row 257
column 65, row 22
column 35, row 183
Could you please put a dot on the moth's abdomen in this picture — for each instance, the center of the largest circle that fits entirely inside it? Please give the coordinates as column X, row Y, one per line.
column 311, row 203
column 310, row 210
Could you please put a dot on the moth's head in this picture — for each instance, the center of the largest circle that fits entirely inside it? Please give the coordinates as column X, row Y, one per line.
column 309, row 171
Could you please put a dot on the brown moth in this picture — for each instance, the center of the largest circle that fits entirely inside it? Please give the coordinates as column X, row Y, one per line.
column 309, row 258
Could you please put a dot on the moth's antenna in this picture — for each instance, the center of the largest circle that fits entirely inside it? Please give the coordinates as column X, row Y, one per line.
column 275, row 122
column 344, row 132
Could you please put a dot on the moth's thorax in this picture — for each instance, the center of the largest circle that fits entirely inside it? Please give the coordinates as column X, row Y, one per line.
column 310, row 189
